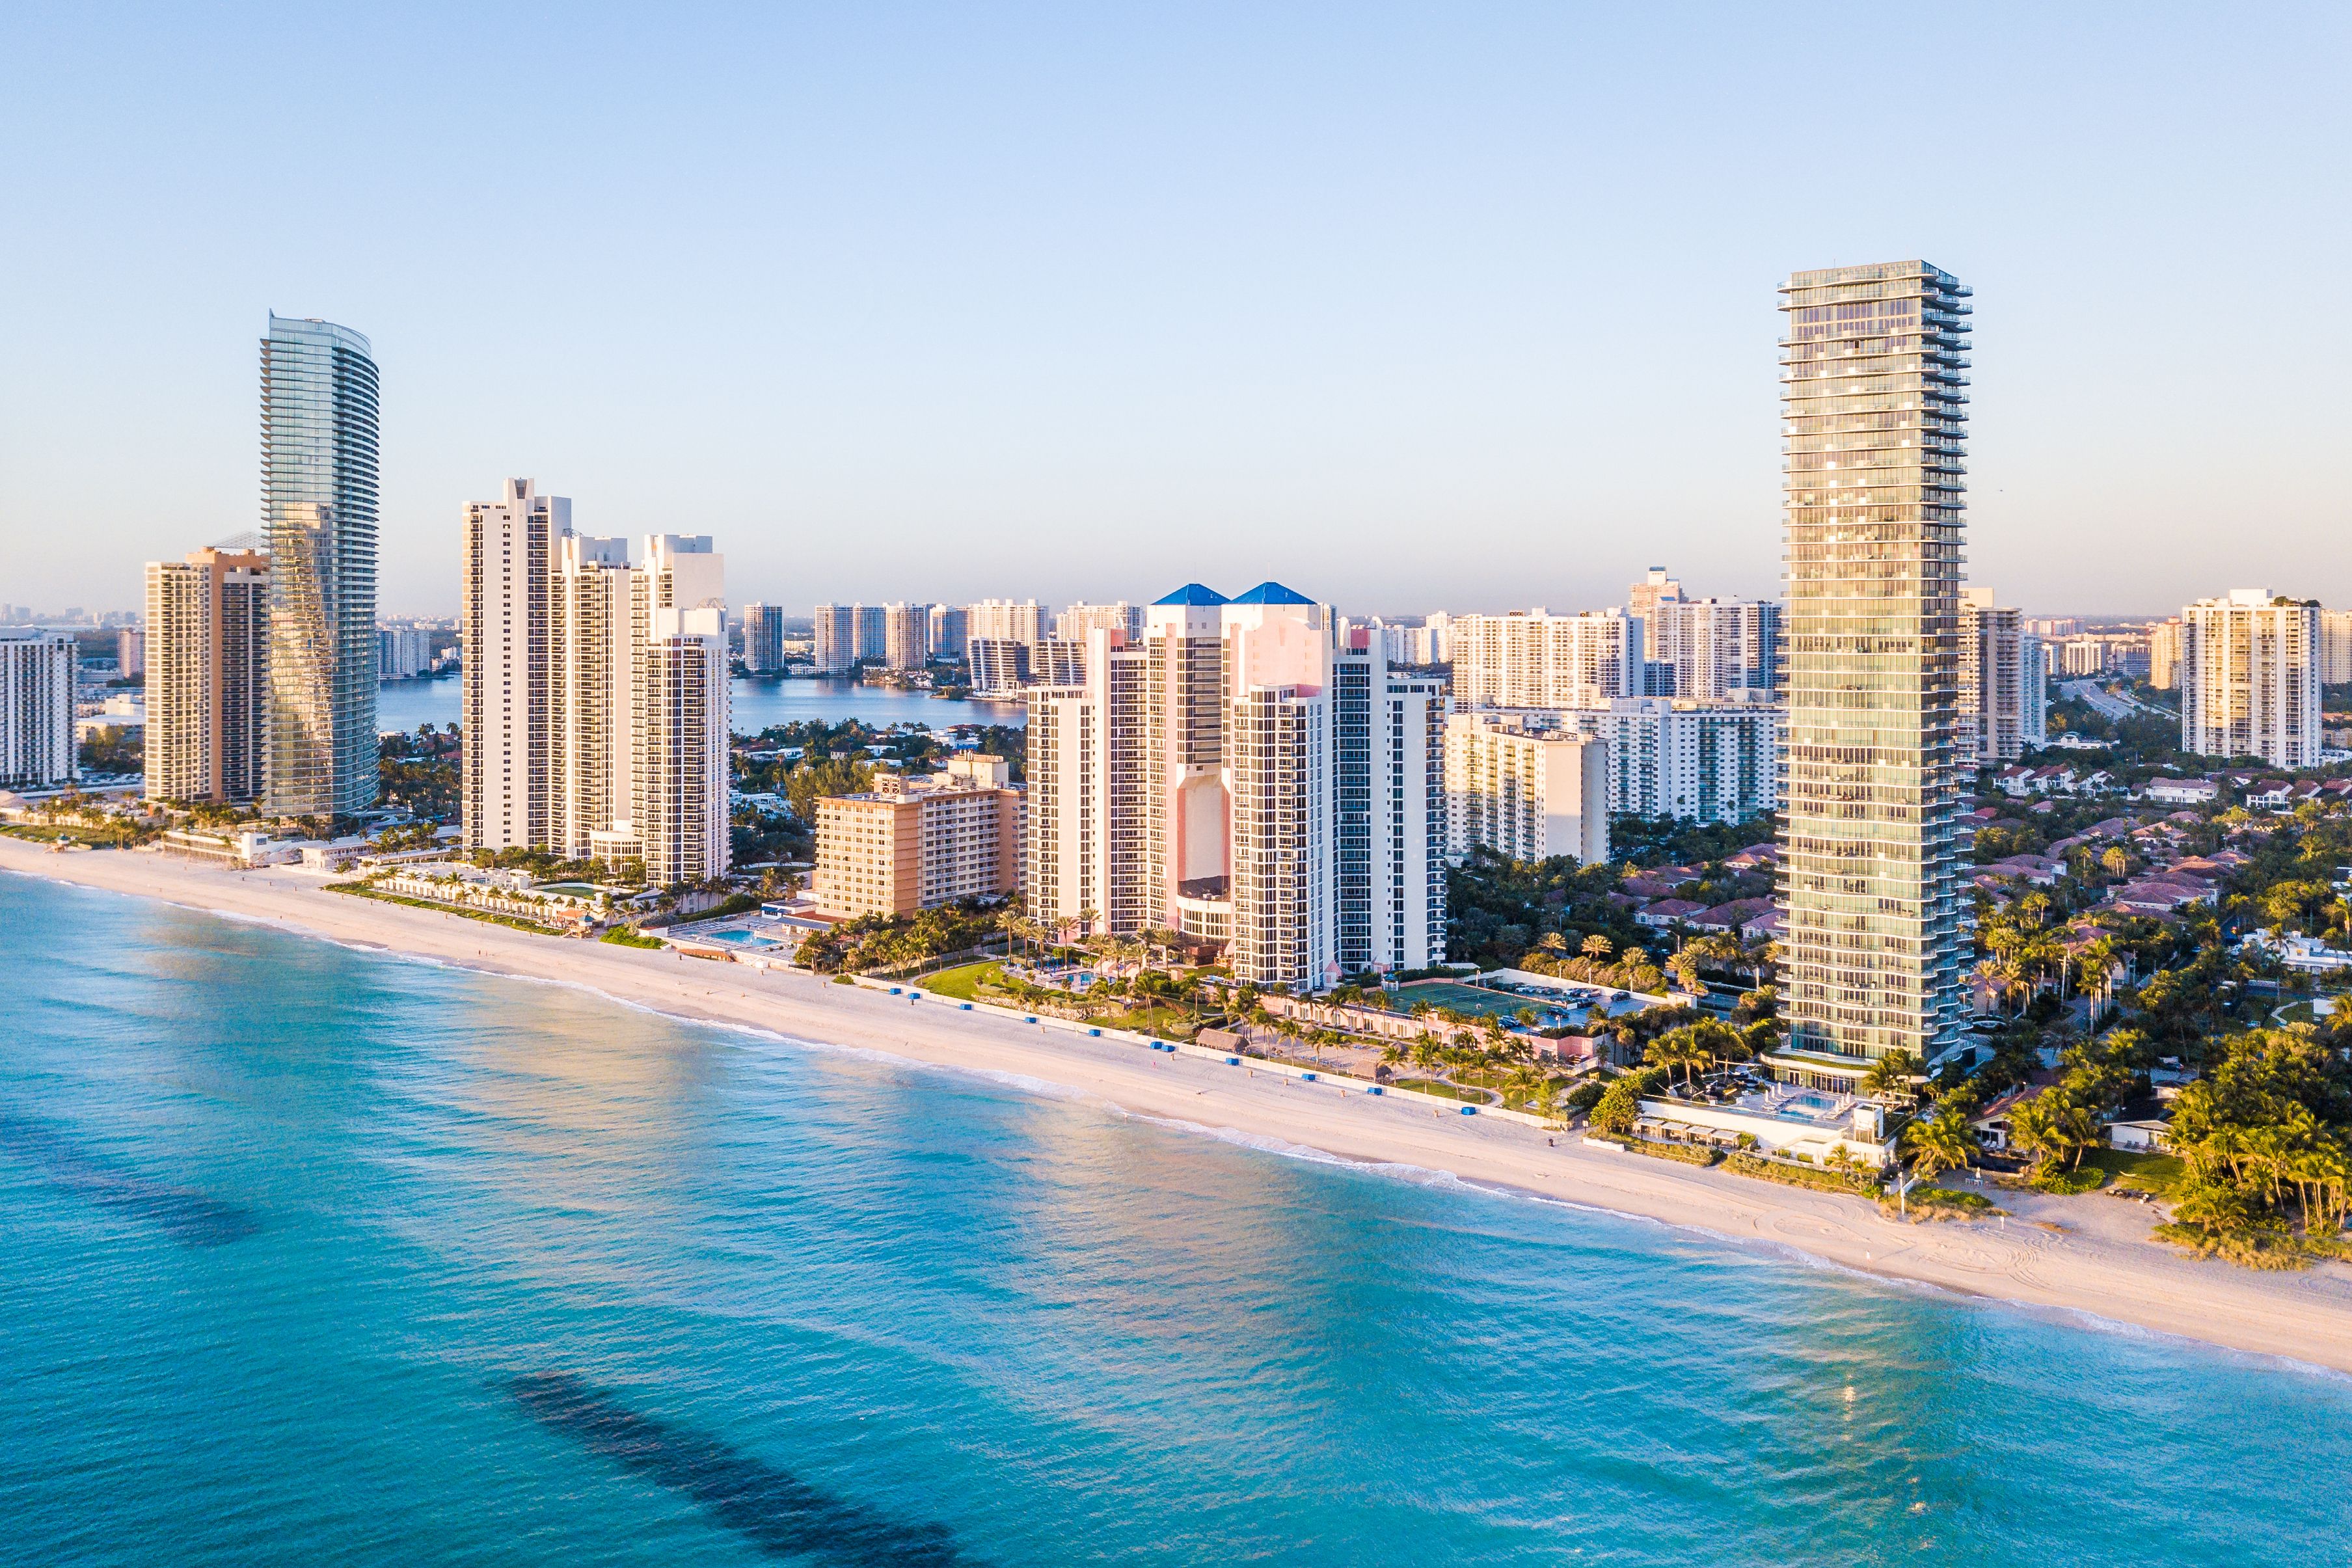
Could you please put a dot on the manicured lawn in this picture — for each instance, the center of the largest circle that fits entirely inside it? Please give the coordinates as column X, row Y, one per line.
column 2157, row 1173
column 963, row 982
column 49, row 833
column 1165, row 1021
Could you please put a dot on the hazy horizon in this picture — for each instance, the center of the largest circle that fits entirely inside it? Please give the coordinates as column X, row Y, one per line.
column 1412, row 310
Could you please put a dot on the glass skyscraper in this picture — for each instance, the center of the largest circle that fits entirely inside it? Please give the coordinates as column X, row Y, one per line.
column 1874, row 411
column 318, row 514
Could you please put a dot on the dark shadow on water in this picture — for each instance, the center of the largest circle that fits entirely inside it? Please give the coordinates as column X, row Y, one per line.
column 182, row 1213
column 777, row 1512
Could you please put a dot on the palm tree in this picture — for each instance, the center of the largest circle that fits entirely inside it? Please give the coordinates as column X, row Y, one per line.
column 1942, row 1142
column 1890, row 1077
column 1597, row 946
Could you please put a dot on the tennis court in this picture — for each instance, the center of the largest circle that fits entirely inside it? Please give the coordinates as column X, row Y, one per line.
column 1476, row 1001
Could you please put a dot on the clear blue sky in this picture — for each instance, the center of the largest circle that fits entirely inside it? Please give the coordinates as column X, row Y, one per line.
column 1414, row 307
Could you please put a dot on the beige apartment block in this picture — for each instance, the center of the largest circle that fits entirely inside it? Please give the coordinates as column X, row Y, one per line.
column 1525, row 791
column 917, row 843
column 209, row 676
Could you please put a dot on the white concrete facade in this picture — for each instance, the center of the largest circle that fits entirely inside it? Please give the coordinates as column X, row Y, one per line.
column 1533, row 658
column 2250, row 678
column 37, row 708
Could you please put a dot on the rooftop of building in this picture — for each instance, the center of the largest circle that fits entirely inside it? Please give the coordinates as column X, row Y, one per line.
column 1193, row 593
column 1272, row 593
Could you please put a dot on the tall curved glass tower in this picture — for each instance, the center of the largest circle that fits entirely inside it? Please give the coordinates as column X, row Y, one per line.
column 1874, row 409
column 318, row 514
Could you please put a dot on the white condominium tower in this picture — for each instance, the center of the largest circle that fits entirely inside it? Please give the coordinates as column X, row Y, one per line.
column 906, row 636
column 575, row 661
column 319, row 513
column 209, row 676
column 1003, row 618
column 2250, row 678
column 1874, row 413
column 1533, row 658
column 1707, row 649
column 37, row 708
column 1241, row 779
column 506, row 621
column 1672, row 756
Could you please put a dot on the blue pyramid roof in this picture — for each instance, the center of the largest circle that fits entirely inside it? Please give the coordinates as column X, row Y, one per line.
column 1193, row 593
column 1273, row 593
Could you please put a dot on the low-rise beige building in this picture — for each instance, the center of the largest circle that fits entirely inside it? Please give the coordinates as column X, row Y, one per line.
column 912, row 844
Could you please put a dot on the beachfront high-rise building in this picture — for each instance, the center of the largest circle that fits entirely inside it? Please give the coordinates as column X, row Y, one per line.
column 593, row 706
column 2250, row 678
column 1875, row 410
column 1533, row 658
column 575, row 660
column 318, row 514
column 764, row 638
column 1241, row 778
column 208, row 682
column 506, row 617
column 1525, row 789
column 678, row 804
column 37, row 708
column 129, row 653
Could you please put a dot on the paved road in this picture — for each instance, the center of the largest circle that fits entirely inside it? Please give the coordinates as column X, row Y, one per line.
column 2114, row 704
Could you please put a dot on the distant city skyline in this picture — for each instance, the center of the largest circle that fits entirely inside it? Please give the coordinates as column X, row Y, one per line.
column 1435, row 311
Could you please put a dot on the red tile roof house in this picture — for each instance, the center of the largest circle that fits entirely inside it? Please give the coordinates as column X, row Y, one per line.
column 2159, row 896
column 1766, row 927
column 2039, row 869
column 1728, row 917
column 2271, row 794
column 1667, row 911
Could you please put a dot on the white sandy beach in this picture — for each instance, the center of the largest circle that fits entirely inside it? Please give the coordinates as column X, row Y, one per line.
column 2088, row 1255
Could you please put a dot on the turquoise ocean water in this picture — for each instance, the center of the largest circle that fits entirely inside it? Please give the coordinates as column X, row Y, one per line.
column 315, row 1256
